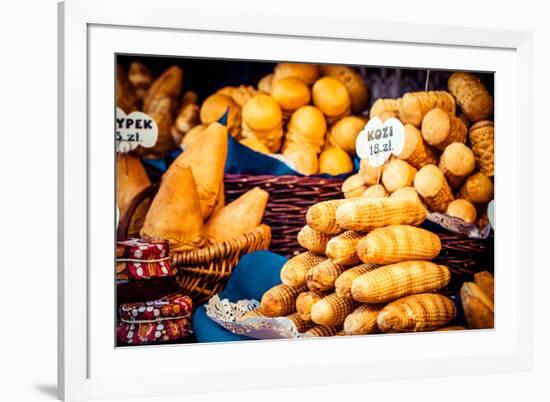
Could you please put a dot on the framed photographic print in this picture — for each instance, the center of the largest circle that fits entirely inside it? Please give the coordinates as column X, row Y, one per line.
column 248, row 197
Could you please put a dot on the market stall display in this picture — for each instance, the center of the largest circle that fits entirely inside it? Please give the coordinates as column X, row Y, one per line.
column 272, row 163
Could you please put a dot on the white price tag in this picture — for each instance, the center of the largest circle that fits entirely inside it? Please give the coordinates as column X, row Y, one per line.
column 134, row 129
column 377, row 141
column 491, row 213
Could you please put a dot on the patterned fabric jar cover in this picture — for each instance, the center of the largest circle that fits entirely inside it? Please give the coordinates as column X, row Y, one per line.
column 143, row 259
column 153, row 332
column 171, row 307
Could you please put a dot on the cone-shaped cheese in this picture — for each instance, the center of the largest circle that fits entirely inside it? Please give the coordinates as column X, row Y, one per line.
column 126, row 98
column 332, row 310
column 432, row 186
column 398, row 174
column 215, row 106
column 305, row 301
column 362, row 320
column 406, row 193
column 332, row 98
column 486, row 283
column 206, row 156
column 131, row 179
column 457, row 162
column 160, row 103
column 262, row 113
column 372, row 175
column 220, row 201
column 482, row 139
column 291, row 93
column 376, row 191
column 255, row 144
column 262, row 118
column 344, row 132
column 140, row 77
column 335, row 161
column 303, row 158
column 306, row 72
column 187, row 118
column 415, row 150
column 415, row 105
column 479, row 310
column 353, row 82
column 240, row 94
column 354, row 186
column 312, row 240
column 160, row 110
column 175, row 214
column 462, row 209
column 193, row 134
column 266, row 84
column 307, row 126
column 441, row 128
column 471, row 95
column 168, row 84
column 478, row 189
column 420, row 312
column 386, row 107
column 238, row 217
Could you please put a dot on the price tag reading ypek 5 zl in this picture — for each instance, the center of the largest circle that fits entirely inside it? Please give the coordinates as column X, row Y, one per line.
column 377, row 141
column 134, row 129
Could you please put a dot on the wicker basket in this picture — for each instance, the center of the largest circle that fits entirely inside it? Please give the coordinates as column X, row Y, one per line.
column 289, row 199
column 291, row 196
column 465, row 257
column 203, row 272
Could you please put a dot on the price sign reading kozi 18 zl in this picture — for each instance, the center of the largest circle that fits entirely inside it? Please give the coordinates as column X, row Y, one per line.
column 134, row 129
column 377, row 141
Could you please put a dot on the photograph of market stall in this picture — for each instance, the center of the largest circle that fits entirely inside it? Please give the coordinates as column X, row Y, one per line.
column 263, row 200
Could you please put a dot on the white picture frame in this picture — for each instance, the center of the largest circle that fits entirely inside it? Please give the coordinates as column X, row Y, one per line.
column 92, row 32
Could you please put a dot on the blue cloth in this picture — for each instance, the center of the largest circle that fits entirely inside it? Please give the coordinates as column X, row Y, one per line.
column 241, row 159
column 356, row 163
column 159, row 166
column 252, row 277
column 460, row 318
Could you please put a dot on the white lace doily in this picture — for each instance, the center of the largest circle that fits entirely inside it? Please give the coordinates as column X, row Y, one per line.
column 227, row 314
column 457, row 225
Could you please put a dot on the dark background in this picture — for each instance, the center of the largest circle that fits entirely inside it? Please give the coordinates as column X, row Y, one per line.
column 206, row 76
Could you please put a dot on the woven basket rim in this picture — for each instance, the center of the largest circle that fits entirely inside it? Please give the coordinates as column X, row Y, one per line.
column 215, row 251
column 286, row 178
